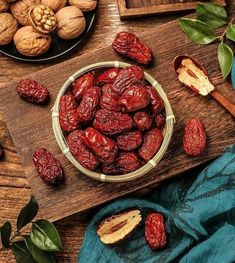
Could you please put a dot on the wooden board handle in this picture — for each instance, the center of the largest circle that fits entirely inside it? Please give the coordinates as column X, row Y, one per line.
column 228, row 105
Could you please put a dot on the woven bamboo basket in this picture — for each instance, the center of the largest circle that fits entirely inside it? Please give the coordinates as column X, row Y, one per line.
column 167, row 131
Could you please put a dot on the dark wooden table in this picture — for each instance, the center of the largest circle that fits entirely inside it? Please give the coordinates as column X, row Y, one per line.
column 14, row 188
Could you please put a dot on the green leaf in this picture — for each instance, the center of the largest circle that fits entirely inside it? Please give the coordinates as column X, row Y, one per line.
column 212, row 14
column 230, row 34
column 45, row 236
column 197, row 31
column 225, row 57
column 38, row 255
column 27, row 213
column 21, row 253
column 5, row 232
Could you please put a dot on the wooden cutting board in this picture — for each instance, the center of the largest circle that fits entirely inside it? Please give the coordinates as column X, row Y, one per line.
column 138, row 8
column 30, row 125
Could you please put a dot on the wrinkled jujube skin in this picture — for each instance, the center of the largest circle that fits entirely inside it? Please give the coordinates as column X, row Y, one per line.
column 109, row 99
column 32, row 91
column 111, row 122
column 156, row 102
column 124, row 163
column 134, row 98
column 194, row 140
column 160, row 121
column 128, row 45
column 82, row 84
column 155, row 233
column 88, row 104
column 142, row 120
column 80, row 151
column 68, row 113
column 129, row 76
column 129, row 141
column 48, row 167
column 103, row 147
column 151, row 143
column 1, row 152
column 108, row 76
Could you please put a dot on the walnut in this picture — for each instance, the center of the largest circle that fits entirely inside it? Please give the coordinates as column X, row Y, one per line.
column 55, row 5
column 43, row 19
column 20, row 10
column 4, row 5
column 31, row 43
column 71, row 22
column 84, row 5
column 8, row 28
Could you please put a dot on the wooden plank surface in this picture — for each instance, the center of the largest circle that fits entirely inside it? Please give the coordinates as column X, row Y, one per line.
column 138, row 8
column 14, row 187
column 30, row 125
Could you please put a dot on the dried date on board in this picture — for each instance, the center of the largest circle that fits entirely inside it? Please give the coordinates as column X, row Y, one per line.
column 194, row 140
column 129, row 45
column 48, row 167
column 32, row 91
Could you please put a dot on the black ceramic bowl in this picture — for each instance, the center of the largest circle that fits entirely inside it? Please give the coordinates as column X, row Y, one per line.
column 59, row 46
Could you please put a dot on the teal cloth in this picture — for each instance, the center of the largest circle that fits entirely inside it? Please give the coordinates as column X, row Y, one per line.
column 200, row 221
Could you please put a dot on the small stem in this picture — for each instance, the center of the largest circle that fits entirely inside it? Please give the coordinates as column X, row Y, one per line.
column 225, row 31
column 17, row 234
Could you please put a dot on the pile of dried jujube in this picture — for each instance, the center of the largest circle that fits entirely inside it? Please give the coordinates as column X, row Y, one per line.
column 113, row 120
column 29, row 22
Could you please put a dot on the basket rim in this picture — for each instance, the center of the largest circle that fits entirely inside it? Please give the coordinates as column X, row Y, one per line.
column 58, row 133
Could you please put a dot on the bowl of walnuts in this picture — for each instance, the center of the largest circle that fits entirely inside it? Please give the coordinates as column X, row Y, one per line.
column 39, row 30
column 113, row 121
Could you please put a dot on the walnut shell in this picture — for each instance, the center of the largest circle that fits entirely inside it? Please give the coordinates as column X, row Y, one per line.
column 55, row 5
column 4, row 5
column 71, row 22
column 42, row 19
column 31, row 43
column 84, row 5
column 20, row 10
column 8, row 28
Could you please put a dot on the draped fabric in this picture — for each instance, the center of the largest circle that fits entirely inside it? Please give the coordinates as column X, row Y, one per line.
column 199, row 212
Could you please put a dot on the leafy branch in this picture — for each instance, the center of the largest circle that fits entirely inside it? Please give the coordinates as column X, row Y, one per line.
column 202, row 31
column 39, row 245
